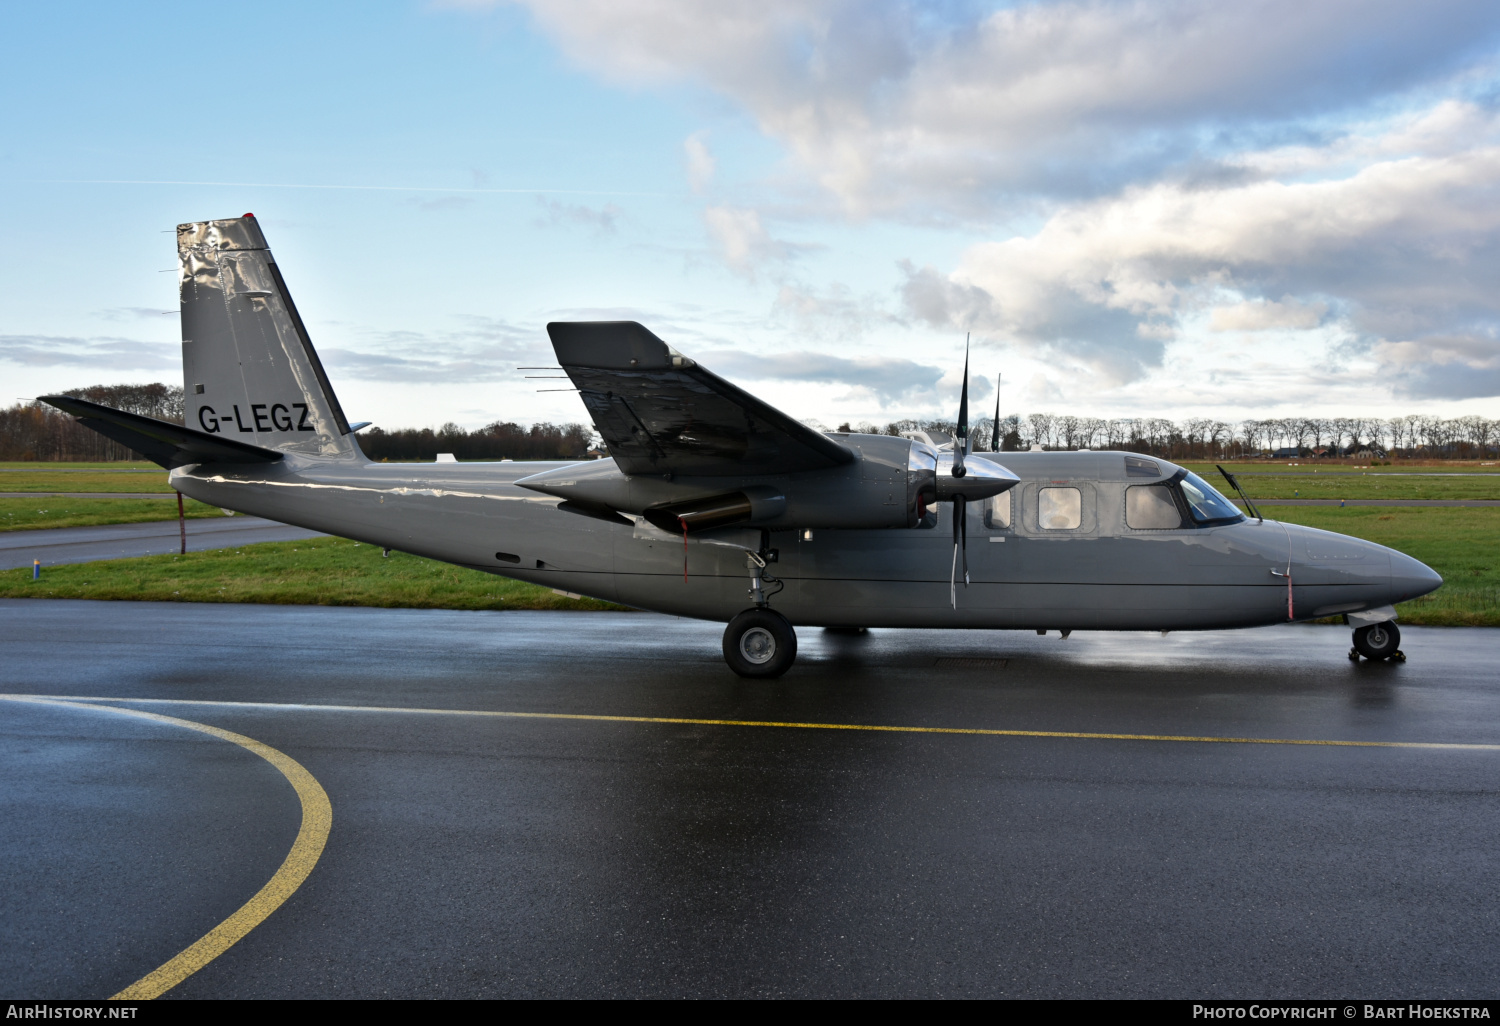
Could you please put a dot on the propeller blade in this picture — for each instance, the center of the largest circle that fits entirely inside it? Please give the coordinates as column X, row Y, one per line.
column 961, row 435
column 960, row 519
column 960, row 546
column 963, row 533
column 995, row 433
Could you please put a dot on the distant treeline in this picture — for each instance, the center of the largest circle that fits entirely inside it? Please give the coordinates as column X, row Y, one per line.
column 34, row 431
column 497, row 441
column 1469, row 437
column 31, row 431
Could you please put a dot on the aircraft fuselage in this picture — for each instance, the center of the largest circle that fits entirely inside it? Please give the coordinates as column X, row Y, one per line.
column 1100, row 575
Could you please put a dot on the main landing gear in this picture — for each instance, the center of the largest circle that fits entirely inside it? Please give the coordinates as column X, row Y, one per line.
column 1377, row 641
column 760, row 643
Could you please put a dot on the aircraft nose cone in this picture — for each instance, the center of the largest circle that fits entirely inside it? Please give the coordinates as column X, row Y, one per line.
column 1411, row 577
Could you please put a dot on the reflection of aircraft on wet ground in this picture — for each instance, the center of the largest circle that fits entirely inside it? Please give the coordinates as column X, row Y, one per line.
column 714, row 505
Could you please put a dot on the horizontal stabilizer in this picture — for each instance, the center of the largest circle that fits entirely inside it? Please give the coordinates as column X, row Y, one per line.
column 661, row 413
column 167, row 445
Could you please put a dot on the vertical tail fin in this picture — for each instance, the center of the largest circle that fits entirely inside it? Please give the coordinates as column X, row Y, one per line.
column 250, row 372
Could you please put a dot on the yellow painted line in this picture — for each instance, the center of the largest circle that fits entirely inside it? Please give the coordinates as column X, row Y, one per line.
column 879, row 728
column 317, row 819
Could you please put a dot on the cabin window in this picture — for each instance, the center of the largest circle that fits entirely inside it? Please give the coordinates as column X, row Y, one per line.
column 1059, row 509
column 997, row 512
column 1151, row 508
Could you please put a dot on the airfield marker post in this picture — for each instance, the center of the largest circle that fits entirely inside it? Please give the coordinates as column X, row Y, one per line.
column 36, row 569
column 181, row 524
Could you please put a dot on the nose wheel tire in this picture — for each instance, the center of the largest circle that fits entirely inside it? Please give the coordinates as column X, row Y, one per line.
column 1378, row 641
column 760, row 643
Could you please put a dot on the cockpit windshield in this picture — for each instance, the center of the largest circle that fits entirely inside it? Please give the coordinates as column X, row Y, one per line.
column 1207, row 504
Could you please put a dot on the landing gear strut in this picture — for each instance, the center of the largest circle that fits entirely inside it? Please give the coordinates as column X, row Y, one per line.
column 760, row 643
column 1378, row 641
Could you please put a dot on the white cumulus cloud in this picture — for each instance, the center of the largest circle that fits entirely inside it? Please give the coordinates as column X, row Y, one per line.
column 891, row 105
column 1265, row 315
column 1406, row 248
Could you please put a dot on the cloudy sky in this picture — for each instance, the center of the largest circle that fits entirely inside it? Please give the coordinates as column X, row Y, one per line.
column 1176, row 208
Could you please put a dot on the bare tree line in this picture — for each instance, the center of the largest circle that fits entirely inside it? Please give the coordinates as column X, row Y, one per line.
column 34, row 431
column 498, row 441
column 31, row 431
column 1468, row 437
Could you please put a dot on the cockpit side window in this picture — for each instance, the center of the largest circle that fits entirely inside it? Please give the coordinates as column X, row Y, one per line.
column 1207, row 506
column 997, row 512
column 1151, row 508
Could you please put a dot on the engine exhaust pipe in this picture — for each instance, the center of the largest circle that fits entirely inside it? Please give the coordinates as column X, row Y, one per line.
column 700, row 514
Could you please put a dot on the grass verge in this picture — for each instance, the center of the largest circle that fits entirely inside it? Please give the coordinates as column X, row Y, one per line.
column 1349, row 486
column 84, row 481
column 1461, row 544
column 316, row 572
column 47, row 511
column 1357, row 485
column 44, row 465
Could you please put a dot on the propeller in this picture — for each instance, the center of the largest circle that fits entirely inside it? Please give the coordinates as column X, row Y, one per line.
column 960, row 483
column 995, row 424
column 960, row 502
column 961, row 435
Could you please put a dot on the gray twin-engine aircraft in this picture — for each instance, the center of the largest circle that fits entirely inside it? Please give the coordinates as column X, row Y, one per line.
column 715, row 505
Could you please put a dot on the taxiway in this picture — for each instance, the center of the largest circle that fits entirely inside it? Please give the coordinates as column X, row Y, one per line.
column 651, row 825
column 154, row 538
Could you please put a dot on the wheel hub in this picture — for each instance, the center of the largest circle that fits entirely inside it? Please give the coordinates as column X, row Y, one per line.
column 758, row 645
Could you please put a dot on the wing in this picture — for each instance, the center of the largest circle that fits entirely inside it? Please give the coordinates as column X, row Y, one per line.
column 660, row 412
column 167, row 445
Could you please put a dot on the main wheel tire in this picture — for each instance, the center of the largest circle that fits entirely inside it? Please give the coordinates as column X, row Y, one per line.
column 1378, row 640
column 760, row 643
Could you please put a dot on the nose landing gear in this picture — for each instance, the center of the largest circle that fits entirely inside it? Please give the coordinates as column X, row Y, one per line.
column 1377, row 641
